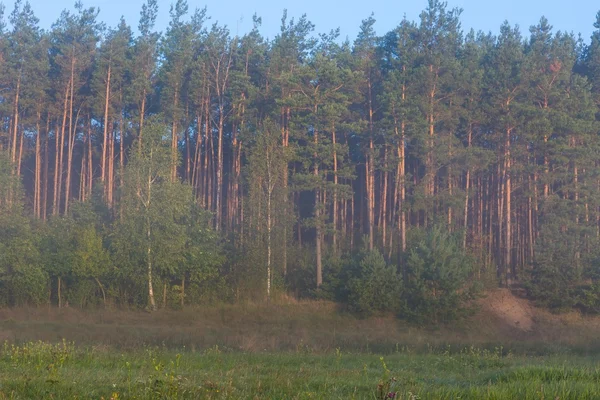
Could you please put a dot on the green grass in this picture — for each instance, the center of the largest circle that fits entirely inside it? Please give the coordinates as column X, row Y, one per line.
column 42, row 371
column 306, row 350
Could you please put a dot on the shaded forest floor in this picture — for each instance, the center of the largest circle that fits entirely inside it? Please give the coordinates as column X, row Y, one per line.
column 502, row 319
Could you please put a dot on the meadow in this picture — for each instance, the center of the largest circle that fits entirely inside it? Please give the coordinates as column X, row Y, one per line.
column 290, row 351
column 38, row 370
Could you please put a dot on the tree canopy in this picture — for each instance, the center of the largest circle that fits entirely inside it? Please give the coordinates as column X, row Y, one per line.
column 166, row 168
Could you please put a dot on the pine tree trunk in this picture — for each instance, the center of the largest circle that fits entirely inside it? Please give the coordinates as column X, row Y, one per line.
column 142, row 115
column 219, row 191
column 90, row 159
column 38, row 169
column 60, row 142
column 508, row 240
column 335, row 186
column 317, row 210
column 187, row 154
column 15, row 124
column 71, row 139
column 467, row 187
column 384, row 201
column 105, row 143
column 121, row 145
column 318, row 237
column 82, row 176
column 286, row 115
column 44, row 209
column 196, row 161
column 174, row 137
column 269, row 194
column 530, row 224
column 20, row 156
column 370, row 172
column 402, row 181
column 110, row 184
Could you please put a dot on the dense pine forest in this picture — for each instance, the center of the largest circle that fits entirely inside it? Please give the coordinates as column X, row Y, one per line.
column 401, row 172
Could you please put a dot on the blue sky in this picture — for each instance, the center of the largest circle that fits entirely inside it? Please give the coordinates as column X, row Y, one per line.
column 573, row 16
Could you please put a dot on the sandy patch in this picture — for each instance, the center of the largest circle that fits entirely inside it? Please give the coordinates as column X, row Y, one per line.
column 514, row 311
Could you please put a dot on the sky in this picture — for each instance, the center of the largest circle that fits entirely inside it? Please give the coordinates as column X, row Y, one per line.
column 576, row 16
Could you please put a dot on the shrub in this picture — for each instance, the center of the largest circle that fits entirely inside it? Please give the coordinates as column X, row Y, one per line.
column 557, row 277
column 377, row 286
column 587, row 294
column 438, row 272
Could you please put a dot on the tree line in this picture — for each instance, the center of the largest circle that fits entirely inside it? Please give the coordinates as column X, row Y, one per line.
column 237, row 166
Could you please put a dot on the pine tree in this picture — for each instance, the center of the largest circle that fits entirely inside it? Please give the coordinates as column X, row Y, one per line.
column 288, row 52
column 399, row 96
column 74, row 39
column 23, row 71
column 504, row 87
column 177, row 53
column 318, row 93
column 440, row 38
column 144, row 63
column 473, row 120
column 109, row 81
column 364, row 51
column 221, row 50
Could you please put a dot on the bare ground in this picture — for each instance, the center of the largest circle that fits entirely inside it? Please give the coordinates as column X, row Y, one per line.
column 511, row 310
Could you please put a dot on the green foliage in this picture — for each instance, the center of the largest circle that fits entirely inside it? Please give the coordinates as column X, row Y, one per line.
column 268, row 220
column 73, row 250
column 203, row 259
column 22, row 279
column 438, row 288
column 376, row 288
column 300, row 278
column 293, row 148
column 203, row 251
column 562, row 271
column 162, row 234
column 439, row 282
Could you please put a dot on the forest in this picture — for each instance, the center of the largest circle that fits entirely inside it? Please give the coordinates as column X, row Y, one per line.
column 403, row 172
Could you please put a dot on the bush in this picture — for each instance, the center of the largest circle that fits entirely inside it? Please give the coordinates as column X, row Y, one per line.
column 550, row 283
column 587, row 294
column 22, row 279
column 557, row 279
column 438, row 272
column 376, row 288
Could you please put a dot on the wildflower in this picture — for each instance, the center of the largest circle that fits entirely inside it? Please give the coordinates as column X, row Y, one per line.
column 391, row 395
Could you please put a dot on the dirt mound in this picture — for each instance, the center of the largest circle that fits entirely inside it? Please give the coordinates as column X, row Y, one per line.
column 513, row 311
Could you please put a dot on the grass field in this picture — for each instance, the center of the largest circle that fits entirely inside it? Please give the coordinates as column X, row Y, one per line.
column 295, row 351
column 62, row 371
